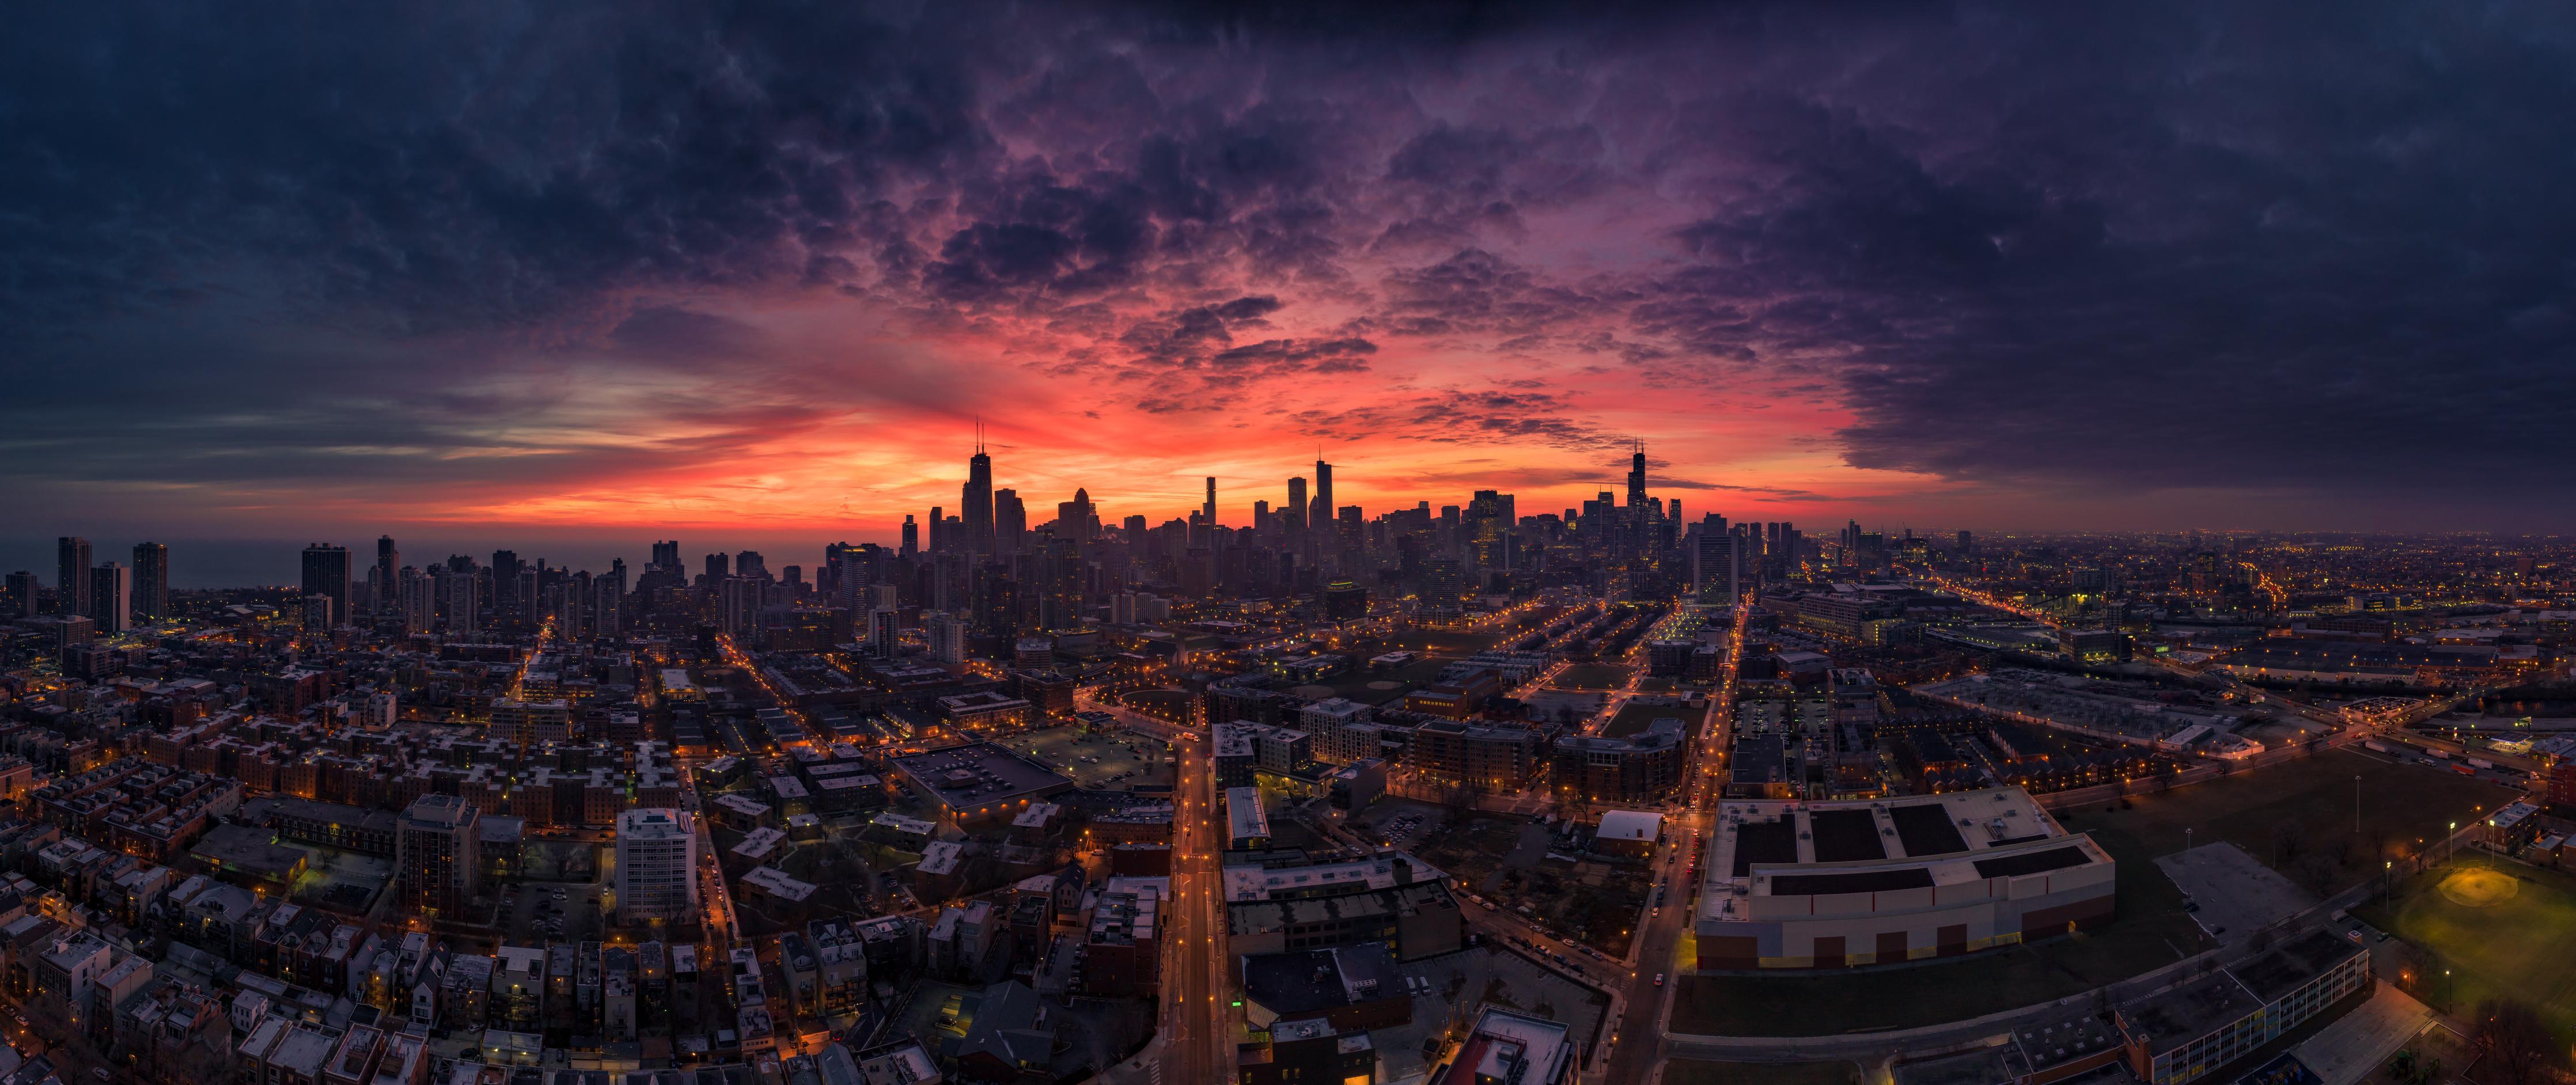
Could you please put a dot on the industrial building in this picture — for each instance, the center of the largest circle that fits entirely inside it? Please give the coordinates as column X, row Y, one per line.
column 1794, row 884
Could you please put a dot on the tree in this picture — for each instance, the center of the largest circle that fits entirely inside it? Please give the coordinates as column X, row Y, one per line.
column 2289, row 839
column 2513, row 1038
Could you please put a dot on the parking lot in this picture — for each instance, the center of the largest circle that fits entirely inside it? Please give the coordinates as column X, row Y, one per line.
column 1119, row 759
column 2231, row 894
column 541, row 912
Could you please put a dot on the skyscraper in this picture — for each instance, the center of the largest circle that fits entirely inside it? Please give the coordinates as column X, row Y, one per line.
column 111, row 599
column 911, row 537
column 326, row 573
column 1717, row 565
column 1637, row 479
column 1010, row 522
column 151, row 580
column 978, row 511
column 388, row 561
column 666, row 554
column 72, row 585
column 1073, row 518
column 1209, row 510
column 1320, row 517
column 719, row 566
column 22, row 595
column 1295, row 513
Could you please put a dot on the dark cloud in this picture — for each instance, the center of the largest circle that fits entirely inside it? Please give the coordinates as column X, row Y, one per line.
column 2057, row 247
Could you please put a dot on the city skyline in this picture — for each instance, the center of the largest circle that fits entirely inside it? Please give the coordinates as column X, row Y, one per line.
column 2011, row 266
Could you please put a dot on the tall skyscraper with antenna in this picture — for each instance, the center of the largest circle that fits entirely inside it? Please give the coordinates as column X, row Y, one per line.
column 977, row 513
column 1320, row 518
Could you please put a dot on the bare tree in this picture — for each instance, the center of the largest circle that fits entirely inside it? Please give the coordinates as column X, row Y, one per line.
column 2511, row 1035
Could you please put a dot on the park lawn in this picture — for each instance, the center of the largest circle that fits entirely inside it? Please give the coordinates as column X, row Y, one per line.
column 1707, row 1072
column 2516, row 947
column 1354, row 684
column 2310, row 800
column 2148, row 930
column 1592, row 676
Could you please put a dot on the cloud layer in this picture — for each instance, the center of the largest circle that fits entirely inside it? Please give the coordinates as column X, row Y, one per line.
column 641, row 264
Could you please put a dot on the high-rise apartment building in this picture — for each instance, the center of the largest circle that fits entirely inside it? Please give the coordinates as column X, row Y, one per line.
column 438, row 860
column 111, row 599
column 22, row 594
column 71, row 585
column 666, row 554
column 151, row 580
column 388, row 564
column 326, row 573
column 657, row 865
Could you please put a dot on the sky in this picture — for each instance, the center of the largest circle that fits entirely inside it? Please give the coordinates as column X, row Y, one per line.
column 487, row 271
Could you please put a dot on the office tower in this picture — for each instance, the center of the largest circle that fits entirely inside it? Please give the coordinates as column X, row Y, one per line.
column 151, row 580
column 657, row 865
column 1295, row 513
column 1210, row 509
column 666, row 555
column 717, row 567
column 326, row 573
column 1322, row 512
column 71, row 585
column 978, row 497
column 1967, row 544
column 388, row 559
column 111, row 599
column 749, row 563
column 939, row 539
column 1073, row 518
column 1261, row 517
column 1637, row 478
column 1717, row 566
column 438, row 856
column 1010, row 522
column 911, row 537
column 22, row 594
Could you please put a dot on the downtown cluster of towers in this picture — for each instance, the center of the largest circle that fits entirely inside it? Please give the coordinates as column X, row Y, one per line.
column 987, row 570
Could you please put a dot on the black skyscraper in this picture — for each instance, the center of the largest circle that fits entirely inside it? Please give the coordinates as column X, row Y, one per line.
column 326, row 573
column 978, row 511
column 151, row 580
column 72, row 585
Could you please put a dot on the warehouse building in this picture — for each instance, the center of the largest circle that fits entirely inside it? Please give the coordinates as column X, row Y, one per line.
column 1793, row 884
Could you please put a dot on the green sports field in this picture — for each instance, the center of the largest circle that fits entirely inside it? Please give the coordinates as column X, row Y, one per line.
column 2501, row 929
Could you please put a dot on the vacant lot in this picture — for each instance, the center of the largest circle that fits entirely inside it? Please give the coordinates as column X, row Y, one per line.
column 2297, row 817
column 2498, row 929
